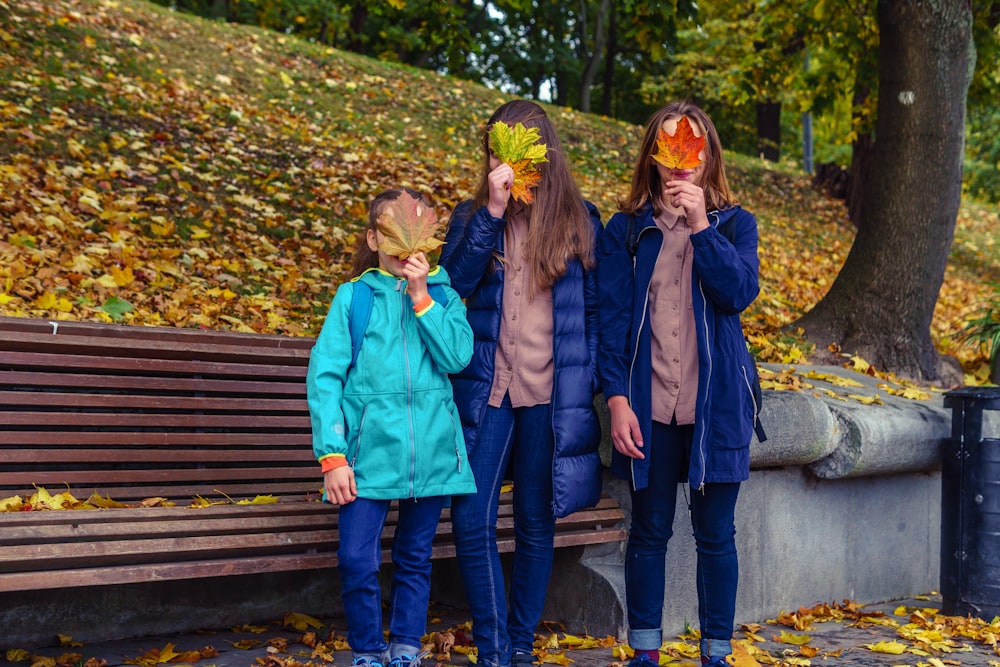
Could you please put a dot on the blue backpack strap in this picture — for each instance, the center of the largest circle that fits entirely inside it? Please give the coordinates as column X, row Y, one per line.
column 361, row 311
column 438, row 294
column 358, row 316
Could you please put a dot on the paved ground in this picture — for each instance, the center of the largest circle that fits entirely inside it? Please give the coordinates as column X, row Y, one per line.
column 829, row 635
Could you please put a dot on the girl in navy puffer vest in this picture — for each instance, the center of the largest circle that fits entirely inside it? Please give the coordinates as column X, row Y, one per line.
column 526, row 398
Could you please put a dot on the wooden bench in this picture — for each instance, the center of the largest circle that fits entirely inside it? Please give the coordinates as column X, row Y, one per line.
column 134, row 413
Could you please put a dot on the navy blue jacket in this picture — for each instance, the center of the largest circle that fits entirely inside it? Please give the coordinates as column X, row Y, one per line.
column 724, row 283
column 474, row 242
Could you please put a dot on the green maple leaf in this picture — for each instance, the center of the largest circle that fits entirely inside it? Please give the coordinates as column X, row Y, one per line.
column 518, row 143
column 518, row 146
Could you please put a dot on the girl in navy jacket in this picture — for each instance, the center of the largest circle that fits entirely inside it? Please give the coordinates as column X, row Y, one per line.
column 678, row 264
column 527, row 395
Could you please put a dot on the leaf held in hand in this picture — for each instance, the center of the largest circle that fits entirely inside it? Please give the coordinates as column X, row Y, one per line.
column 408, row 227
column 681, row 150
column 518, row 146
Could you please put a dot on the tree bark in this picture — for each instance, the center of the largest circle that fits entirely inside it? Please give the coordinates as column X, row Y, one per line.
column 611, row 52
column 600, row 39
column 769, row 130
column 881, row 304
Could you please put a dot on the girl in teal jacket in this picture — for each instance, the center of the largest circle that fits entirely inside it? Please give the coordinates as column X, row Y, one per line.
column 385, row 427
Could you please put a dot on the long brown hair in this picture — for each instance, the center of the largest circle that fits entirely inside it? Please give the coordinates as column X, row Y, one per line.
column 646, row 186
column 559, row 228
column 364, row 257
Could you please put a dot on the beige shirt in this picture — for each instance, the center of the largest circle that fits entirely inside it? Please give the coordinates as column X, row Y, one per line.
column 524, row 364
column 671, row 314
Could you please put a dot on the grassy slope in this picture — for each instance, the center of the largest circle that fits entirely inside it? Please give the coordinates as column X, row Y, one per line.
column 214, row 175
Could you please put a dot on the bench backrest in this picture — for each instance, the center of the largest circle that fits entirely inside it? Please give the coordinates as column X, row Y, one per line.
column 138, row 412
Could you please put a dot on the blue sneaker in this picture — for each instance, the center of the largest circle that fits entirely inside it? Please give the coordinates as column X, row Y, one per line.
column 715, row 661
column 642, row 661
column 522, row 659
column 408, row 660
column 367, row 661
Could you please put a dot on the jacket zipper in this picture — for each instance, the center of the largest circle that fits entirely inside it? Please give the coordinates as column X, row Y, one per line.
column 409, row 388
column 361, row 428
column 638, row 331
column 708, row 380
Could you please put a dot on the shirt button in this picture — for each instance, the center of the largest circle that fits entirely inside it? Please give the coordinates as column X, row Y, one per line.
column 509, row 367
column 674, row 334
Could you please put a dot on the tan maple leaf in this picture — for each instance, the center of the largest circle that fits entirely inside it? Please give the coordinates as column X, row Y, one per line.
column 408, row 226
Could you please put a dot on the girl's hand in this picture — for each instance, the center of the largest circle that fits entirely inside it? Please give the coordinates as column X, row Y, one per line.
column 339, row 485
column 690, row 197
column 415, row 270
column 625, row 433
column 501, row 180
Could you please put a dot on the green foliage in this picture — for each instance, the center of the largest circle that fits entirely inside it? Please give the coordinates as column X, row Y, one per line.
column 984, row 330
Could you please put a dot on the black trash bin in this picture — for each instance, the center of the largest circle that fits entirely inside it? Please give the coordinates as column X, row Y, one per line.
column 970, row 507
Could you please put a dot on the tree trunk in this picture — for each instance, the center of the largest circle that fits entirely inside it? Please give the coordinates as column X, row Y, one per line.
column 769, row 130
column 881, row 305
column 863, row 146
column 356, row 36
column 600, row 39
column 611, row 52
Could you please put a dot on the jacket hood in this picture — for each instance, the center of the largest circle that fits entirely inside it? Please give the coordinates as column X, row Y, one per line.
column 379, row 279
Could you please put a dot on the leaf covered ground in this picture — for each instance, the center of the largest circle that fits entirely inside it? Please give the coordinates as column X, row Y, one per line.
column 905, row 633
column 157, row 169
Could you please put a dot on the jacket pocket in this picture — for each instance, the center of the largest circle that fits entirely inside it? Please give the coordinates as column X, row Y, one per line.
column 361, row 429
column 456, row 436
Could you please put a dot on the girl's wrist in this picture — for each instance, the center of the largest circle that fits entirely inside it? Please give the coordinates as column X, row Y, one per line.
column 421, row 302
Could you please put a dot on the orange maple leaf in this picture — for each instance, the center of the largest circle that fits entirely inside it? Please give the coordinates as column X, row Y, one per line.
column 679, row 151
column 408, row 226
column 526, row 176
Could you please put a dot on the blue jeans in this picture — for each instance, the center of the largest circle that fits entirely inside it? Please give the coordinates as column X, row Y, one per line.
column 526, row 435
column 360, row 557
column 712, row 518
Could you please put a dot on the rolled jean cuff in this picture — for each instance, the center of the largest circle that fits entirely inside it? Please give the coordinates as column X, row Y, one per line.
column 645, row 639
column 716, row 648
column 398, row 649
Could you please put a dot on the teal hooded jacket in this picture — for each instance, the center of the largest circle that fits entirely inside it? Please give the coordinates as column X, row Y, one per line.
column 392, row 414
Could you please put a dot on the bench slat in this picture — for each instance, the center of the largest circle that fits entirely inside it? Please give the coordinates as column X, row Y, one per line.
column 149, row 455
column 85, row 439
column 130, row 420
column 55, row 400
column 23, row 360
column 150, row 383
column 222, row 350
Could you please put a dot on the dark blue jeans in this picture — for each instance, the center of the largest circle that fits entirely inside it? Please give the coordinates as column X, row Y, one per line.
column 526, row 434
column 712, row 518
column 360, row 556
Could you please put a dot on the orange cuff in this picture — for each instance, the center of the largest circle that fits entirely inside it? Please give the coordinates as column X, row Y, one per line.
column 423, row 305
column 333, row 462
